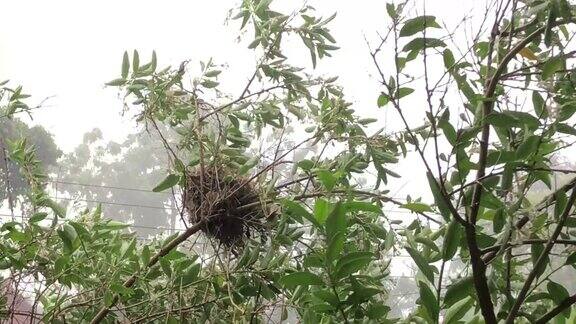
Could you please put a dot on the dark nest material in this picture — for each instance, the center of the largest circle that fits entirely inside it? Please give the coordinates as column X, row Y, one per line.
column 229, row 206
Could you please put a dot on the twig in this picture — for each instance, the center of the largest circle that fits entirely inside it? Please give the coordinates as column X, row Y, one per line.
column 542, row 258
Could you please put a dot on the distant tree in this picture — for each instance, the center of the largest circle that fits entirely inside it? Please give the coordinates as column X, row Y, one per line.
column 13, row 129
column 310, row 242
column 121, row 177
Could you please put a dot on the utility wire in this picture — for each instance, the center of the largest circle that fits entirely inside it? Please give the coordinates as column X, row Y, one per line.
column 107, row 187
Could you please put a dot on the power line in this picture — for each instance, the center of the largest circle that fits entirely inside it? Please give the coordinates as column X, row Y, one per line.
column 107, row 187
column 116, row 203
column 127, row 225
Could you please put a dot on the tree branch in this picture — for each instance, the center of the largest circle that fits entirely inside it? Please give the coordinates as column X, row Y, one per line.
column 541, row 259
column 478, row 265
column 527, row 242
column 165, row 250
column 566, row 303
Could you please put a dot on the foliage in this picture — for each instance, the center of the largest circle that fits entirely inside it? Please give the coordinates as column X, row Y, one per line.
column 316, row 263
column 12, row 102
column 121, row 176
column 325, row 247
column 482, row 163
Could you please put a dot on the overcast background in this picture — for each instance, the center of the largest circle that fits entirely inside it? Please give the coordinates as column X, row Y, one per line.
column 66, row 50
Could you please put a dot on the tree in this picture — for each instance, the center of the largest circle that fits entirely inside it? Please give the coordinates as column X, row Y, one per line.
column 481, row 164
column 291, row 230
column 271, row 254
column 120, row 176
column 12, row 184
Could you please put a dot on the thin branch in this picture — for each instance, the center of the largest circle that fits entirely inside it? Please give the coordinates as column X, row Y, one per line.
column 165, row 250
column 541, row 259
column 527, row 242
column 565, row 304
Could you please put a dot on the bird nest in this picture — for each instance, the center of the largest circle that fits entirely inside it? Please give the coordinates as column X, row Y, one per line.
column 227, row 206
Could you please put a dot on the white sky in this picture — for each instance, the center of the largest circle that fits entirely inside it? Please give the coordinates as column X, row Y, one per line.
column 69, row 49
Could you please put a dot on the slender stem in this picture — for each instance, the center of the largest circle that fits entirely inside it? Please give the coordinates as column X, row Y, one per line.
column 565, row 304
column 130, row 281
column 439, row 287
column 527, row 242
column 541, row 259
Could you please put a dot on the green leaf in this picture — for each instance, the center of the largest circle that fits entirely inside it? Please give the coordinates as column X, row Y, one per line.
column 249, row 164
column 499, row 220
column 209, row 84
column 527, row 147
column 114, row 225
column 458, row 291
column 557, row 292
column 153, row 62
column 361, row 206
column 135, row 61
column 54, row 206
column 427, row 242
column 571, row 259
column 418, row 24
column 422, row 263
column 535, row 252
column 327, row 178
column 561, row 202
column 538, row 296
column 565, row 129
column 552, row 66
column 448, row 58
column 335, row 246
column 367, row 121
column 296, row 211
column 145, row 255
column 321, row 210
column 327, row 296
column 352, row 262
column 417, row 207
column 550, row 24
column 38, row 217
column 301, row 278
column 438, row 197
column 403, row 92
column 428, row 300
column 377, row 312
column 213, row 73
column 451, row 240
column 524, row 119
column 501, row 120
column 362, row 294
column 116, row 82
column 127, row 248
column 166, row 267
column 539, row 105
column 567, row 110
column 190, row 275
column 125, row 65
column 108, row 298
column 391, row 10
column 418, row 44
column 69, row 237
column 354, row 257
column 170, row 181
column 336, row 221
column 383, row 100
column 458, row 310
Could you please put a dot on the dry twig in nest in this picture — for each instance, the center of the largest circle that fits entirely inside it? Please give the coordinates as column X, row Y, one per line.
column 228, row 205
